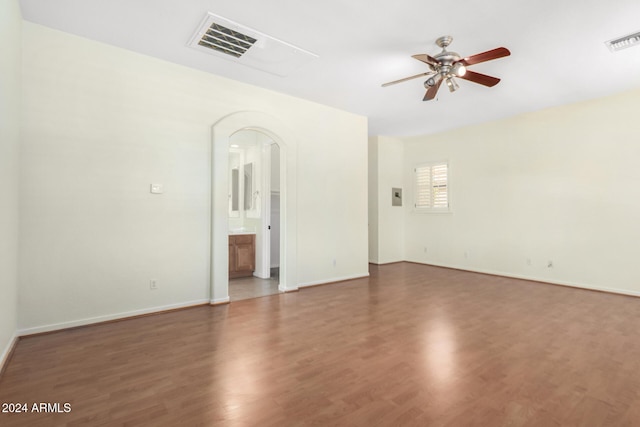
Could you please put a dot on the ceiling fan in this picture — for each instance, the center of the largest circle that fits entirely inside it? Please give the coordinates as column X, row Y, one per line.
column 445, row 66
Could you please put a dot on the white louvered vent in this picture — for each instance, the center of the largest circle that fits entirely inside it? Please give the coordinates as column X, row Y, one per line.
column 623, row 42
column 226, row 39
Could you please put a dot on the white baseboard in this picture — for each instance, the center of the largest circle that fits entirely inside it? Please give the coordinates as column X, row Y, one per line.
column 219, row 301
column 535, row 279
column 4, row 357
column 106, row 318
column 284, row 289
column 333, row 280
column 386, row 262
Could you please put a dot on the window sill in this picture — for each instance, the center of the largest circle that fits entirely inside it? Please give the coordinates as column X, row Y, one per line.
column 432, row 211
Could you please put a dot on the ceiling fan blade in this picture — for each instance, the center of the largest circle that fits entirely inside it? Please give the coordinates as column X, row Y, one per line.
column 426, row 59
column 482, row 79
column 486, row 56
column 406, row 78
column 432, row 91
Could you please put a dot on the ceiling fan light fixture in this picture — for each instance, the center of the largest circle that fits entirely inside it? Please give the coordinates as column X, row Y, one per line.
column 432, row 81
column 452, row 85
column 459, row 69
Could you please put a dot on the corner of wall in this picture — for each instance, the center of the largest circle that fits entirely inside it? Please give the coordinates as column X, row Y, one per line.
column 10, row 111
column 386, row 222
column 373, row 198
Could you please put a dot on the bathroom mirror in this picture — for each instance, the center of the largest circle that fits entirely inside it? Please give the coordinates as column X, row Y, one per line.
column 235, row 189
column 244, row 178
column 248, row 186
column 234, row 184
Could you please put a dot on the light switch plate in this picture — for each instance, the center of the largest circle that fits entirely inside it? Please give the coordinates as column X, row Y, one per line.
column 396, row 197
column 157, row 188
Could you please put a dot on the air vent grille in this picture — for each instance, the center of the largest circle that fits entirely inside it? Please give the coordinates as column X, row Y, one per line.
column 226, row 40
column 624, row 42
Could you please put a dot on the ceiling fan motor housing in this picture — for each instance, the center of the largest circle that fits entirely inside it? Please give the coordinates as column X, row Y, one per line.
column 446, row 60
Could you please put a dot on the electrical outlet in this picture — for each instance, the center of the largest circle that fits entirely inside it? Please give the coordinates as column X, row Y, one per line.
column 153, row 284
column 157, row 188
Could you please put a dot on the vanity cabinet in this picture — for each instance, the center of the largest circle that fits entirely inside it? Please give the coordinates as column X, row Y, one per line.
column 242, row 255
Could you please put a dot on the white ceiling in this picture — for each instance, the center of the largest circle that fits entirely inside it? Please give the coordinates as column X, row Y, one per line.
column 558, row 55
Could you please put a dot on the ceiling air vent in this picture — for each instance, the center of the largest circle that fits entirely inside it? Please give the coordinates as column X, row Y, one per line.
column 623, row 42
column 226, row 39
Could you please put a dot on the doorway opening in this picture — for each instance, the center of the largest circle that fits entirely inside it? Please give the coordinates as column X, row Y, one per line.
column 254, row 215
column 222, row 177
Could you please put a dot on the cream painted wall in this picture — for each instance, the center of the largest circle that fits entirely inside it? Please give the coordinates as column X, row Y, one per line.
column 101, row 125
column 557, row 185
column 373, row 199
column 386, row 157
column 10, row 41
column 332, row 201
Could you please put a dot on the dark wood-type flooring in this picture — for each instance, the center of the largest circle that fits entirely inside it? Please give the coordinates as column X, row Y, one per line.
column 411, row 345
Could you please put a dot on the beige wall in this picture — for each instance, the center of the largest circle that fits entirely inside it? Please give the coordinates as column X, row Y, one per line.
column 101, row 125
column 557, row 185
column 10, row 24
column 373, row 199
column 386, row 222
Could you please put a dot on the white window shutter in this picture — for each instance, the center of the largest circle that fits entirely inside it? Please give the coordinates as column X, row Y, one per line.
column 431, row 184
column 423, row 187
column 440, row 190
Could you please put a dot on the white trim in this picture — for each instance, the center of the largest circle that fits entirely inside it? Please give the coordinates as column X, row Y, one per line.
column 283, row 288
column 421, row 211
column 387, row 262
column 220, row 301
column 534, row 279
column 108, row 317
column 4, row 357
column 333, row 280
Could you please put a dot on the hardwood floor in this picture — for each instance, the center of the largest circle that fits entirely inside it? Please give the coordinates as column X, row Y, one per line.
column 411, row 345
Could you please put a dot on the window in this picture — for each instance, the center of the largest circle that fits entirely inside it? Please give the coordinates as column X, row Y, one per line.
column 431, row 187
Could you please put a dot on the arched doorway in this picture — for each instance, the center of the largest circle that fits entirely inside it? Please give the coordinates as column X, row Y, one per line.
column 280, row 134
